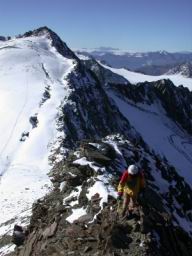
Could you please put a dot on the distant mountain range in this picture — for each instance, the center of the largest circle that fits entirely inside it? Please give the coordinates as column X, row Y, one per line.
column 151, row 63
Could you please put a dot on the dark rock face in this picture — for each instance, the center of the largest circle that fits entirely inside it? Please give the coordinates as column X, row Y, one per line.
column 34, row 121
column 89, row 113
column 175, row 100
column 105, row 76
column 149, row 230
column 24, row 136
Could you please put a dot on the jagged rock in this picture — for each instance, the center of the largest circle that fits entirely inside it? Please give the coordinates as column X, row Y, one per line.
column 85, row 218
column 24, row 135
column 34, row 121
column 50, row 231
column 101, row 153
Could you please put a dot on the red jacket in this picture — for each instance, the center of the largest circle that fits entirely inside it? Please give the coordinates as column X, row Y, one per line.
column 131, row 184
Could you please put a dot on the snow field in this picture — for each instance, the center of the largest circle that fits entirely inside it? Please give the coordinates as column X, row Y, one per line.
column 27, row 69
column 134, row 77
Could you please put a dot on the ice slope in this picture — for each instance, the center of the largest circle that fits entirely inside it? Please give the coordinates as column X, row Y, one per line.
column 160, row 133
column 29, row 68
column 134, row 77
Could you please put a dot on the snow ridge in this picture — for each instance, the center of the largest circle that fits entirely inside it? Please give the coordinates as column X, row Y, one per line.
column 33, row 85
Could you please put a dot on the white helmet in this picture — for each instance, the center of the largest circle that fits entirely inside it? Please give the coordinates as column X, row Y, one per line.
column 133, row 169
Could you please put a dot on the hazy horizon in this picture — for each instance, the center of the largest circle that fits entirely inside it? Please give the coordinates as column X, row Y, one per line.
column 110, row 49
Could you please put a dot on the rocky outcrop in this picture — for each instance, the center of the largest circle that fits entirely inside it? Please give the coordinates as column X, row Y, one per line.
column 176, row 101
column 104, row 75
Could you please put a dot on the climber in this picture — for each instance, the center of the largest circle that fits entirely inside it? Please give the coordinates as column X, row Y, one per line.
column 132, row 183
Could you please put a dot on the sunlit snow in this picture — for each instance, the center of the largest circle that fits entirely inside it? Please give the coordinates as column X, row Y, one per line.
column 28, row 67
column 134, row 77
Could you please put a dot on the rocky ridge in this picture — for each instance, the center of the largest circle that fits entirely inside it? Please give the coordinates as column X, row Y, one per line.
column 151, row 230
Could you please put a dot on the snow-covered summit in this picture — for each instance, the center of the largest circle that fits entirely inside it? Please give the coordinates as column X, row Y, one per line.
column 56, row 41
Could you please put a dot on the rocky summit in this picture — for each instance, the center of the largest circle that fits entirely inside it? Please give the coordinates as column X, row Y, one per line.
column 75, row 126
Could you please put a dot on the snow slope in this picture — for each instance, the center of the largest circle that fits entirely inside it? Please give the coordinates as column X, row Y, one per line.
column 30, row 67
column 134, row 77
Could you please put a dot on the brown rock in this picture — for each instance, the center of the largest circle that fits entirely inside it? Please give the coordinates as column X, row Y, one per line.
column 50, row 231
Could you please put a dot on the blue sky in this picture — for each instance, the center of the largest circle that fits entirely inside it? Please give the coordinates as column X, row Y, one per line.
column 138, row 25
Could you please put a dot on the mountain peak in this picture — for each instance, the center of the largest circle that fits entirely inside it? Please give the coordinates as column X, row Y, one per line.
column 40, row 31
column 57, row 42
